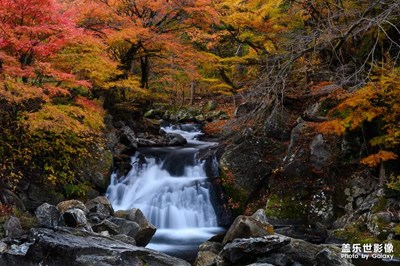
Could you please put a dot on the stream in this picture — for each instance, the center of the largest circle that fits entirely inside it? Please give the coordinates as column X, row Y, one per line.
column 169, row 185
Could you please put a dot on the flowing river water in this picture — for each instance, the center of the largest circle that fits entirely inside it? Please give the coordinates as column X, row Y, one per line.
column 169, row 185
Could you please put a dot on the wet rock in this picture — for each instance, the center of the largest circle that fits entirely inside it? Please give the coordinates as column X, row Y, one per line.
column 125, row 239
column 176, row 140
column 246, row 250
column 127, row 137
column 76, row 218
column 147, row 143
column 205, row 258
column 108, row 226
column 146, row 230
column 99, row 207
column 12, row 227
column 72, row 204
column 126, row 227
column 47, row 215
column 214, row 247
column 245, row 227
column 327, row 257
column 71, row 247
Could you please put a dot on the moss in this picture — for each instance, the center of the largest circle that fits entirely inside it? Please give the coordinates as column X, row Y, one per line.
column 27, row 219
column 237, row 196
column 380, row 206
column 396, row 246
column 286, row 207
column 397, row 229
column 354, row 234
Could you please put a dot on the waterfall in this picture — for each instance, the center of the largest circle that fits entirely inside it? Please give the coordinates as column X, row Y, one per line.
column 169, row 185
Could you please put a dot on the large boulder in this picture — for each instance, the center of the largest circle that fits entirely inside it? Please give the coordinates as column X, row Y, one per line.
column 175, row 139
column 47, row 215
column 277, row 124
column 321, row 156
column 71, row 247
column 246, row 250
column 246, row 227
column 146, row 229
column 126, row 227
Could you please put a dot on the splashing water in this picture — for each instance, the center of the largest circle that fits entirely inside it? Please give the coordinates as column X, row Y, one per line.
column 170, row 186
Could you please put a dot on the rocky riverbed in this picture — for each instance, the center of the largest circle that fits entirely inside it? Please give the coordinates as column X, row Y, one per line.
column 74, row 233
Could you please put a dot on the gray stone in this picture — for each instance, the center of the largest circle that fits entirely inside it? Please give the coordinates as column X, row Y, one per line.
column 72, row 204
column 276, row 125
column 205, row 258
column 176, row 140
column 126, row 227
column 101, row 207
column 7, row 197
column 47, row 215
column 3, row 247
column 327, row 257
column 125, row 239
column 76, row 218
column 246, row 250
column 260, row 216
column 13, row 228
column 72, row 247
column 214, row 247
column 320, row 154
column 108, row 226
column 245, row 227
column 146, row 230
column 127, row 137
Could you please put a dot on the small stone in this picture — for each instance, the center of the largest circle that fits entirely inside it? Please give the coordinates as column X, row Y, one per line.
column 47, row 215
column 72, row 204
column 13, row 228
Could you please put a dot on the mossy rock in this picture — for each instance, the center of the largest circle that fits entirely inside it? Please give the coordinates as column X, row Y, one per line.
column 286, row 207
column 237, row 195
column 380, row 206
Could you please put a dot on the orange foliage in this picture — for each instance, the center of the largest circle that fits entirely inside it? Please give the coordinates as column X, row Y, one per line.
column 374, row 160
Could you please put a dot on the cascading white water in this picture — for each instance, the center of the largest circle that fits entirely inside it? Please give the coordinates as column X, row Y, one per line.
column 170, row 186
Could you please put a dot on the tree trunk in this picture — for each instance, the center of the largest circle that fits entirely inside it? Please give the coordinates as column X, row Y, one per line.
column 144, row 66
column 192, row 88
column 382, row 174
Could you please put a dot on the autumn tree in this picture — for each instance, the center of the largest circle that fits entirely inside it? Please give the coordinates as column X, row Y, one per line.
column 152, row 41
column 46, row 127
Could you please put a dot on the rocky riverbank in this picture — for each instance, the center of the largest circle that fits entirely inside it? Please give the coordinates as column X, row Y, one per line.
column 73, row 233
